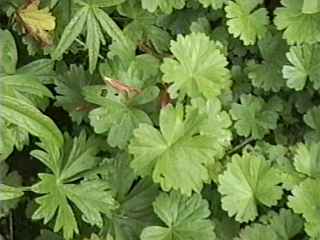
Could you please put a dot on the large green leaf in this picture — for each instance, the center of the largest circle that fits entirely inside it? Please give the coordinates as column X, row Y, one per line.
column 248, row 180
column 177, row 155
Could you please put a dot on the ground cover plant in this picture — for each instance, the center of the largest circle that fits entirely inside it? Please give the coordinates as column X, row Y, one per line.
column 159, row 120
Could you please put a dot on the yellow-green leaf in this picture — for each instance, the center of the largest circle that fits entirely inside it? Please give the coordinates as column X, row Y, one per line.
column 37, row 22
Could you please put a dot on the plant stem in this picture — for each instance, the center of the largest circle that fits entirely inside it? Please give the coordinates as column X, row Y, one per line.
column 11, row 226
column 241, row 145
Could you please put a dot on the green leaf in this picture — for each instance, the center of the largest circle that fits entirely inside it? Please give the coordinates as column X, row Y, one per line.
column 307, row 160
column 8, row 192
column 166, row 6
column 24, row 83
column 135, row 199
column 8, row 52
column 93, row 40
column 116, row 118
column 257, row 232
column 32, row 120
column 311, row 118
column 10, row 183
column 246, row 21
column 48, row 235
column 91, row 198
column 304, row 61
column 104, row 3
column 6, row 141
column 112, row 29
column 286, row 224
column 215, row 4
column 306, row 201
column 298, row 27
column 176, row 148
column 11, row 136
column 268, row 74
column 311, row 6
column 184, row 218
column 71, row 32
column 253, row 117
column 199, row 68
column 217, row 125
column 248, row 181
column 42, row 69
column 78, row 156
column 70, row 92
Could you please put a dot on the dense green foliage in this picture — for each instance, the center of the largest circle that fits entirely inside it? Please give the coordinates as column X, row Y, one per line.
column 159, row 119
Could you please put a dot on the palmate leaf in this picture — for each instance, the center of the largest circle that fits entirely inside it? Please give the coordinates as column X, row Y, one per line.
column 305, row 200
column 253, row 117
column 92, row 197
column 71, row 32
column 285, row 224
column 217, row 125
column 120, row 110
column 245, row 21
column 185, row 218
column 257, row 232
column 70, row 92
column 248, row 180
column 135, row 199
column 299, row 27
column 115, row 117
column 311, row 118
column 199, row 68
column 176, row 157
column 143, row 28
column 268, row 74
column 95, row 21
column 307, row 160
column 304, row 65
